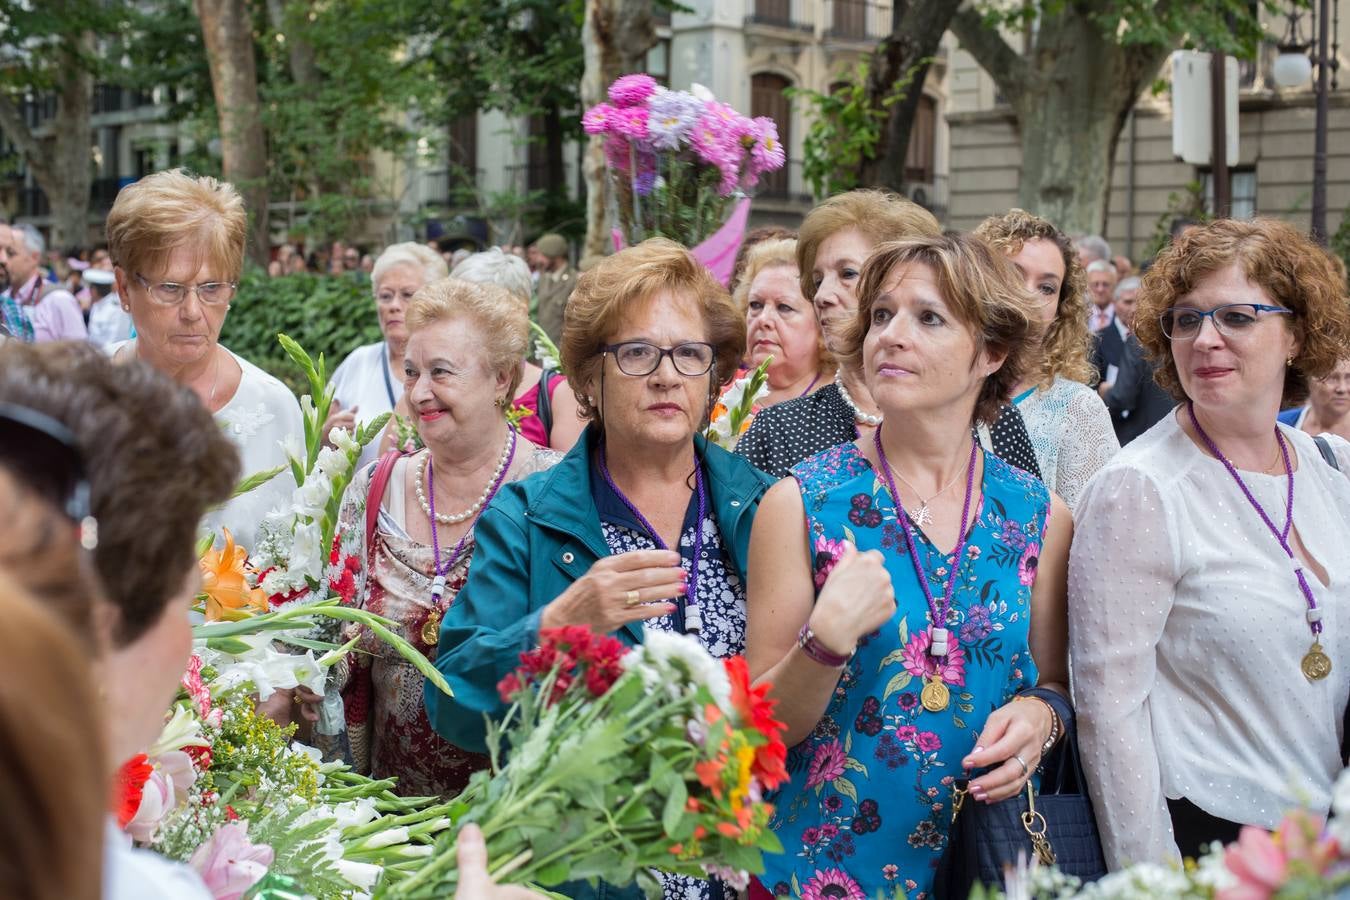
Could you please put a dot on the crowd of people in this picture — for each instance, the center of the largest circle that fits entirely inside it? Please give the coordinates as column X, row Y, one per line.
column 1001, row 487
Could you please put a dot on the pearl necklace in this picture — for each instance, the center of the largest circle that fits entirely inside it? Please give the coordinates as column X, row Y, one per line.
column 861, row 417
column 456, row 518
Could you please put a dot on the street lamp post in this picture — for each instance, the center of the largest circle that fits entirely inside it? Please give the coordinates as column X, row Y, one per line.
column 1292, row 69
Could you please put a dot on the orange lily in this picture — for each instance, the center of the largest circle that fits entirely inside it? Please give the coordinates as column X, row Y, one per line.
column 225, row 585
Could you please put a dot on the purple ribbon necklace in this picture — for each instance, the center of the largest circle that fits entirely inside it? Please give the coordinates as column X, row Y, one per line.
column 431, row 628
column 1316, row 664
column 693, row 620
column 935, row 695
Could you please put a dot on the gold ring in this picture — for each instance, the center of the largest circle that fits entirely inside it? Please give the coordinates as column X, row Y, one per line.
column 632, row 598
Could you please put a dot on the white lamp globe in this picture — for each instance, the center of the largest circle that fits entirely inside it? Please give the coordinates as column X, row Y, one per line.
column 1291, row 69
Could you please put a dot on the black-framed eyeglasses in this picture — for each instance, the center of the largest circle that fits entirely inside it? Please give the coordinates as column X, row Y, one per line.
column 692, row 359
column 41, row 453
column 1183, row 323
column 171, row 293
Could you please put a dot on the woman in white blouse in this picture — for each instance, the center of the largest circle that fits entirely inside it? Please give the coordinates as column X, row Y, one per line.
column 177, row 245
column 1069, row 425
column 1200, row 637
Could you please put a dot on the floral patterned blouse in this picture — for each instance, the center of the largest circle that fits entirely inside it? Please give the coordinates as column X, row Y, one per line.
column 387, row 726
column 868, row 806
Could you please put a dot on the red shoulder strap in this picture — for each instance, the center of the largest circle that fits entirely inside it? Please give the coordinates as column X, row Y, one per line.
column 378, row 482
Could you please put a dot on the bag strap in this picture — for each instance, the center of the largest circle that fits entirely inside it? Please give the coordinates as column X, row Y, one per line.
column 544, row 405
column 378, row 482
column 1324, row 447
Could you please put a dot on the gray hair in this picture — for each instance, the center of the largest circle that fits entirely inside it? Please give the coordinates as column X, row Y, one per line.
column 1100, row 265
column 502, row 269
column 1095, row 245
column 33, row 238
column 1127, row 284
column 409, row 253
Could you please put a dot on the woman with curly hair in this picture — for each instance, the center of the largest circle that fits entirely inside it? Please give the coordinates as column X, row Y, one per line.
column 1209, row 587
column 1069, row 425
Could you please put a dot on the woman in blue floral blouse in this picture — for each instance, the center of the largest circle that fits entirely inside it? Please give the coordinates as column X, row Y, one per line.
column 907, row 589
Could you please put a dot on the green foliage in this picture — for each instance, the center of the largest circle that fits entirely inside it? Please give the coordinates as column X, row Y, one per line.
column 1188, row 203
column 846, row 129
column 332, row 315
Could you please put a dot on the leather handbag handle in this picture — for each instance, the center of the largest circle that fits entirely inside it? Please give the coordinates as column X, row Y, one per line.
column 378, row 482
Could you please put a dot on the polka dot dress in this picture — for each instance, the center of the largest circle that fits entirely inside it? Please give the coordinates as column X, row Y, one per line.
column 787, row 433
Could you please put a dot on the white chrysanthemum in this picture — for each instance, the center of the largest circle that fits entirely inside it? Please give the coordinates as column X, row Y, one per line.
column 678, row 663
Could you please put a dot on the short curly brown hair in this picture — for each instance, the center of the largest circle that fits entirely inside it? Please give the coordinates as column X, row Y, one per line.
column 155, row 459
column 607, row 293
column 1066, row 346
column 1275, row 256
column 983, row 289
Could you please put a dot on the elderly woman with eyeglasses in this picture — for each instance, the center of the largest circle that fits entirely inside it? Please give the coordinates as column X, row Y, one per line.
column 177, row 244
column 1209, row 587
column 643, row 525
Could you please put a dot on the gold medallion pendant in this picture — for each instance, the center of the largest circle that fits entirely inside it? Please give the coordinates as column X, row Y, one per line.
column 935, row 695
column 1316, row 664
column 431, row 628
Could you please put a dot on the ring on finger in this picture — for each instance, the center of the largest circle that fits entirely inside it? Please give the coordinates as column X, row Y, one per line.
column 1023, row 763
column 632, row 598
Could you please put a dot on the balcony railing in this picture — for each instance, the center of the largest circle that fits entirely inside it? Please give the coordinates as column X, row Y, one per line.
column 856, row 20
column 786, row 14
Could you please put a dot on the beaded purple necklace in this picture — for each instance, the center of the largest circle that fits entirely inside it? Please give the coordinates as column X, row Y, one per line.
column 1316, row 664
column 935, row 695
column 693, row 619
column 432, row 626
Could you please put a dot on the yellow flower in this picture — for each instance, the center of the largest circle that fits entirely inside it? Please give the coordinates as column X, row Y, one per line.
column 225, row 585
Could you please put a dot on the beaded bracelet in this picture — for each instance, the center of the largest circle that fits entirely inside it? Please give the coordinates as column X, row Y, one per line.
column 1055, row 727
column 818, row 652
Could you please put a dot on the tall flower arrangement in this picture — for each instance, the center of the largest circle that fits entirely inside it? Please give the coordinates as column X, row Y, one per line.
column 620, row 762
column 679, row 157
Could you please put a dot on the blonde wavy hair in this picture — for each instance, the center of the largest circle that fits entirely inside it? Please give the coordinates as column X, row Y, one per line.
column 1066, row 345
column 160, row 213
column 500, row 315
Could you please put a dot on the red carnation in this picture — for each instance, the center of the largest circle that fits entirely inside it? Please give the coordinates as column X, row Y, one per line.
column 129, row 785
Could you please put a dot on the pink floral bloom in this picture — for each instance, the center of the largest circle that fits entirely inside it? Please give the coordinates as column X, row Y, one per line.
column 906, row 733
column 197, row 690
column 832, row 884
column 1258, row 863
column 630, row 122
column 617, row 153
column 172, row 777
column 707, row 143
column 922, row 664
column 826, row 765
column 768, row 153
column 928, row 741
column 1027, row 565
column 1303, row 838
column 229, row 863
column 890, row 872
column 630, row 90
column 598, row 119
column 827, row 554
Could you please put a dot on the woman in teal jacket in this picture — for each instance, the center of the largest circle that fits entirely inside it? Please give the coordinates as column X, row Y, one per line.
column 649, row 337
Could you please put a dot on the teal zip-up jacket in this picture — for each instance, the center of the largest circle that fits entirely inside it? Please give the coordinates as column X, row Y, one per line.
column 538, row 536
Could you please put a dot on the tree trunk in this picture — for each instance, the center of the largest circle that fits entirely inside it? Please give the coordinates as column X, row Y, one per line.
column 1071, row 96
column 615, row 38
column 61, row 163
column 228, row 33
column 916, row 32
column 299, row 51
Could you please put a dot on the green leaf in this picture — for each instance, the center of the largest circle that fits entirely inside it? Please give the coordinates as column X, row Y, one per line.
column 845, row 787
column 256, row 480
column 898, row 682
column 231, row 645
column 851, row 763
column 674, row 808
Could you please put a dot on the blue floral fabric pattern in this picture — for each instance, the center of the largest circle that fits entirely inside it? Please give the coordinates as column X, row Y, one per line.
column 867, row 809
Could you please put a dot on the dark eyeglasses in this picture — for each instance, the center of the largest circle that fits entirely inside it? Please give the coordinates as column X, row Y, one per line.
column 1182, row 323
column 640, row 358
column 41, row 453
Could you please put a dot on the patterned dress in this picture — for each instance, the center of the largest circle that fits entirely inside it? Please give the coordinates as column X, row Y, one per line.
column 868, row 806
column 387, row 724
column 721, row 602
